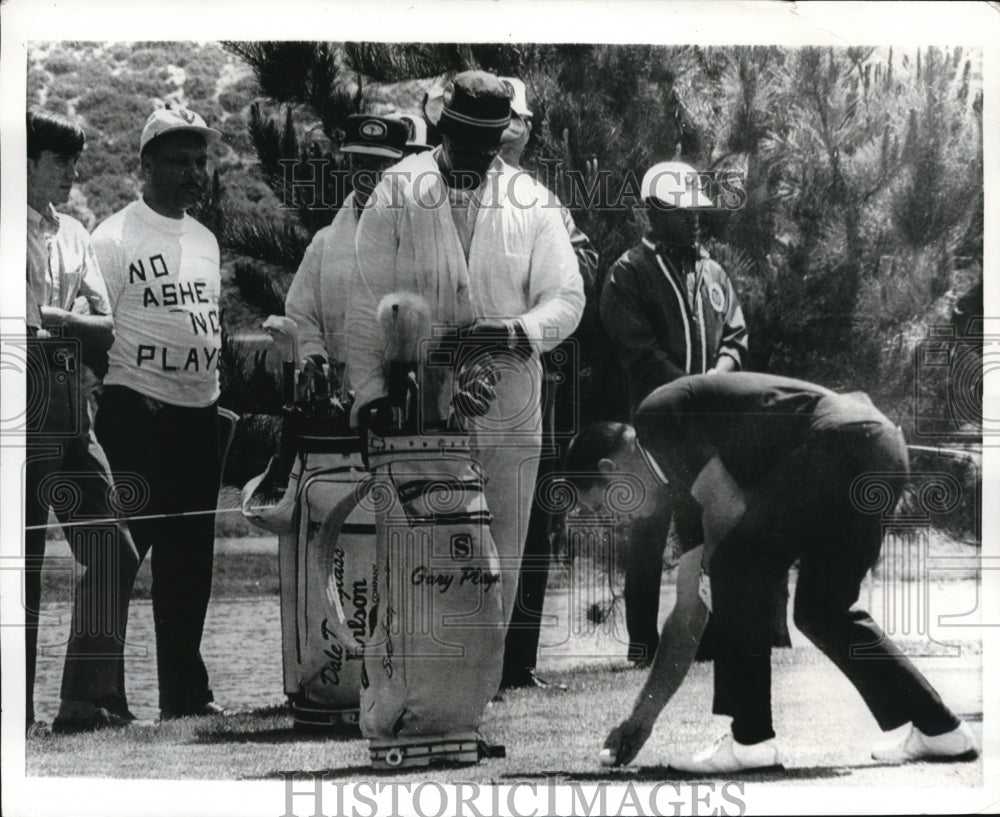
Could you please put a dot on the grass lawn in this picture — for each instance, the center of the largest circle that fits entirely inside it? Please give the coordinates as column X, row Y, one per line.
column 825, row 729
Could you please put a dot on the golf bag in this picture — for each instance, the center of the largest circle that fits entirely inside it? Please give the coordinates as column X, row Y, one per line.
column 322, row 667
column 317, row 470
column 434, row 660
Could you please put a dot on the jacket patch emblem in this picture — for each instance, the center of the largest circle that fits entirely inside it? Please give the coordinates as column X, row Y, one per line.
column 717, row 297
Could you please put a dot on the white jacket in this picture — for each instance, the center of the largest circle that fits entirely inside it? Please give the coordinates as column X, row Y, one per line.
column 521, row 265
column 317, row 298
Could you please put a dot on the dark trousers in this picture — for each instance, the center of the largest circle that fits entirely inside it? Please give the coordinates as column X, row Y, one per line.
column 804, row 509
column 174, row 451
column 521, row 644
column 66, row 470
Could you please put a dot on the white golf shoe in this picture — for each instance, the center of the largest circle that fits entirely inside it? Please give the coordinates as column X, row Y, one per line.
column 726, row 755
column 959, row 743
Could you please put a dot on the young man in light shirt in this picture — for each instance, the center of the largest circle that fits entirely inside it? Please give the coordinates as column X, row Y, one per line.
column 63, row 456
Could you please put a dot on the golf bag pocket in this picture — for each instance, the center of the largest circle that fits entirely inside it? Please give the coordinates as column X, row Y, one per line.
column 434, row 660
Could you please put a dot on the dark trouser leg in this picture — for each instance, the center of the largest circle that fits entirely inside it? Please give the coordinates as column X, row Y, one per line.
column 182, row 563
column 94, row 670
column 521, row 645
column 175, row 450
column 831, row 571
column 39, row 463
column 749, row 570
column 743, row 584
column 643, row 569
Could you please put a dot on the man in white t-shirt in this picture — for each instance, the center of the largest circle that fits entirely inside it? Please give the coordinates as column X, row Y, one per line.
column 157, row 416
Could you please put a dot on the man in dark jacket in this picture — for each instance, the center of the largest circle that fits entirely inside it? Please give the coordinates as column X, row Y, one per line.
column 670, row 311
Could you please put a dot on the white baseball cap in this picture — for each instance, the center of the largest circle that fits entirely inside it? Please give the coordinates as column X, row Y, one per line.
column 416, row 139
column 169, row 120
column 518, row 96
column 675, row 184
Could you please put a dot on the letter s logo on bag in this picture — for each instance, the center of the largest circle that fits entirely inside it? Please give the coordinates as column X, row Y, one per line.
column 461, row 546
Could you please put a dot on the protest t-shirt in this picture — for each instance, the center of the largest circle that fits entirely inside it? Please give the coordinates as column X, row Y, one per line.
column 163, row 282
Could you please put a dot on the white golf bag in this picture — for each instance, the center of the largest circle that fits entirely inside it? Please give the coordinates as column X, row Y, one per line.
column 435, row 658
column 320, row 460
column 322, row 668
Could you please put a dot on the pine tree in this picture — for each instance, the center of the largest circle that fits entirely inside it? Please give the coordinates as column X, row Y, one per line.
column 635, row 117
column 862, row 182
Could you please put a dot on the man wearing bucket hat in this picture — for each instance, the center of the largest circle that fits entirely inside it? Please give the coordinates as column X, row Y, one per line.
column 670, row 311
column 521, row 647
column 317, row 298
column 157, row 417
column 471, row 235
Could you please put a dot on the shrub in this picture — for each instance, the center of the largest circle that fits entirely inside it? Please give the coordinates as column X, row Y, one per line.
column 119, row 116
column 119, row 52
column 66, row 88
column 232, row 101
column 96, row 99
column 207, row 60
column 238, row 95
column 88, row 47
column 142, row 58
column 209, row 110
column 36, row 84
column 199, row 88
column 106, row 194
column 60, row 62
column 94, row 74
column 153, row 83
column 235, row 134
column 57, row 105
column 99, row 160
